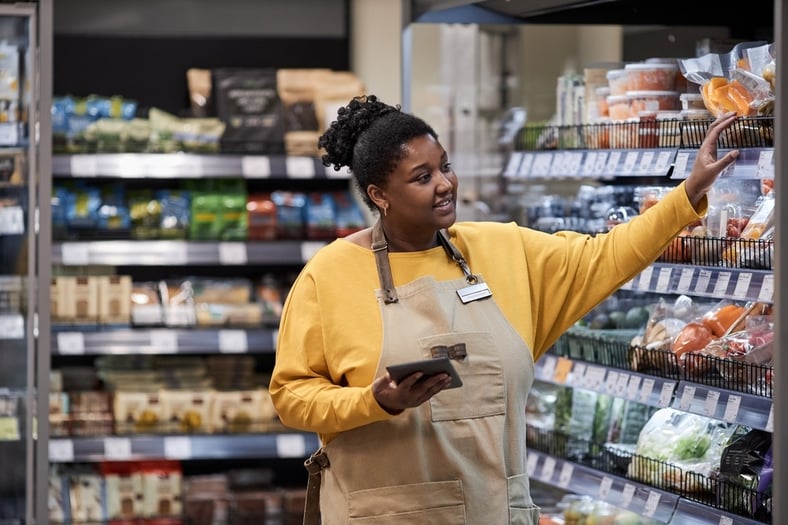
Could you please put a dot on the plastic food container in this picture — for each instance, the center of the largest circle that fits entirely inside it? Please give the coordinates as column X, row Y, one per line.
column 652, row 101
column 618, row 107
column 617, row 81
column 651, row 76
column 600, row 98
column 691, row 101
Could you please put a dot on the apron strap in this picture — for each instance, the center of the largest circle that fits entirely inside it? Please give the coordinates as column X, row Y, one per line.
column 314, row 465
column 380, row 247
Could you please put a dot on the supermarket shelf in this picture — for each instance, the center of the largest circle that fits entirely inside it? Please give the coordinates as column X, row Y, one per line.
column 718, row 283
column 72, row 341
column 181, row 253
column 734, row 407
column 600, row 164
column 118, row 448
column 189, row 165
column 626, row 494
column 649, row 390
column 621, row 492
column 753, row 163
column 692, row 513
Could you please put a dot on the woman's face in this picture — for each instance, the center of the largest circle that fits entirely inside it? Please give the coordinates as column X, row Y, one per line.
column 421, row 193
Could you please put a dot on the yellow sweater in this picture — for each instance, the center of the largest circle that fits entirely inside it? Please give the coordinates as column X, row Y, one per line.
column 330, row 332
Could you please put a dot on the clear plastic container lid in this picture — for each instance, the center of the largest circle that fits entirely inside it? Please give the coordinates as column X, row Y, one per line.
column 651, row 66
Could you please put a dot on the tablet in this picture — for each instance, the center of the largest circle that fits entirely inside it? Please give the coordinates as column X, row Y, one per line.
column 429, row 367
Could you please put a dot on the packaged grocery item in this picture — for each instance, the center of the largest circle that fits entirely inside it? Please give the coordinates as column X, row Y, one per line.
column 618, row 107
column 290, row 214
column 145, row 305
column 161, row 486
column 640, row 101
column 261, row 214
column 320, row 216
column 137, row 412
column 186, row 410
column 617, row 81
column 175, row 213
column 242, row 411
column 349, row 217
column 124, row 492
column 651, row 76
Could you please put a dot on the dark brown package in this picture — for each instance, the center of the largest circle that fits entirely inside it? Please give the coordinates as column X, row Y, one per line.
column 248, row 103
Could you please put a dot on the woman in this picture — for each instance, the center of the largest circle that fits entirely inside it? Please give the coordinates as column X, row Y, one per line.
column 491, row 296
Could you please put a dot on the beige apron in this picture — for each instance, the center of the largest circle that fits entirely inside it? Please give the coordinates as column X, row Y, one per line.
column 459, row 458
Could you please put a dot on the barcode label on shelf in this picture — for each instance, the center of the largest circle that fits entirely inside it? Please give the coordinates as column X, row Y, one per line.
column 726, row 520
column 548, row 369
column 71, row 343
column 12, row 221
column 686, row 397
column 232, row 253
column 647, row 389
column 255, row 167
column 721, row 286
column 732, row 408
column 704, row 276
column 652, row 502
column 116, row 448
column 74, row 254
column 627, row 494
column 680, row 166
column 742, row 285
column 685, row 280
column 84, row 165
column 633, row 387
column 309, row 248
column 233, row 342
column 300, row 167
column 513, row 165
column 164, row 341
column 645, row 278
column 712, row 399
column 663, row 279
column 530, row 465
column 61, row 450
column 667, row 394
column 177, row 447
column 548, row 468
column 604, row 487
column 290, row 446
column 770, row 420
column 566, row 475
column 12, row 326
column 767, row 288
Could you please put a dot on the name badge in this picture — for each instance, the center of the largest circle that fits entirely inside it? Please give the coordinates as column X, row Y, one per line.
column 474, row 292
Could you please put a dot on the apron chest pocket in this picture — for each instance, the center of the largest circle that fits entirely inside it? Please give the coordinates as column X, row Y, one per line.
column 482, row 390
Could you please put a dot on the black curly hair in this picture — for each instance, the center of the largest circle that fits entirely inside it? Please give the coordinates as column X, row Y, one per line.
column 368, row 137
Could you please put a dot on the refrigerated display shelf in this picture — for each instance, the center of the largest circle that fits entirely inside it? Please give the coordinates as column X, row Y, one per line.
column 626, row 494
column 736, row 407
column 593, row 164
column 191, row 166
column 753, row 163
column 182, row 253
column 183, row 447
column 718, row 283
column 129, row 341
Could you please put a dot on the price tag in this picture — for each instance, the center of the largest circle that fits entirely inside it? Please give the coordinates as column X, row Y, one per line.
column 579, row 374
column 601, row 162
column 548, row 369
column 765, row 164
column 309, row 248
column 702, row 284
column 686, row 397
column 558, row 166
column 726, row 520
column 595, row 377
column 652, row 502
column 566, row 475
column 164, row 341
column 610, row 382
column 663, row 161
column 574, row 161
column 627, row 494
column 74, row 254
column 12, row 220
column 70, row 343
column 233, row 342
column 300, row 167
column 61, row 450
column 633, row 387
column 742, row 285
column 177, row 447
column 84, row 166
column 721, row 286
column 232, row 253
column 548, row 467
column 644, row 283
column 12, row 326
column 770, row 420
column 530, row 464
column 612, row 162
column 513, row 165
column 680, row 165
column 646, row 389
column 290, row 446
column 562, row 368
column 685, row 280
column 526, row 165
column 663, row 279
column 604, row 487
column 710, row 406
column 630, row 162
column 589, row 163
column 666, row 394
column 629, row 284
column 116, row 448
column 255, row 167
column 646, row 160
column 732, row 408
column 621, row 384
column 541, row 165
column 766, row 293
